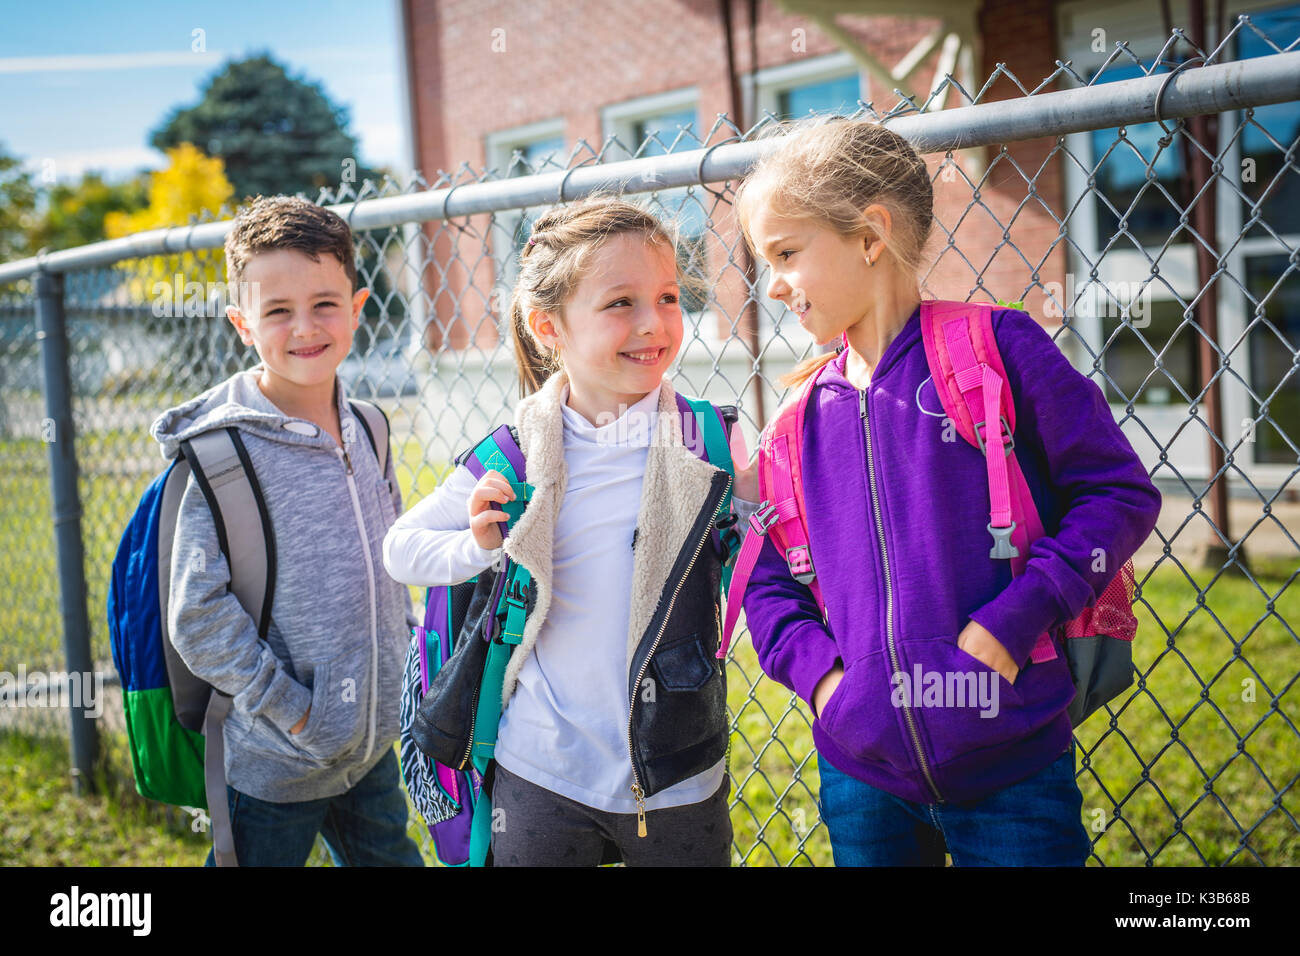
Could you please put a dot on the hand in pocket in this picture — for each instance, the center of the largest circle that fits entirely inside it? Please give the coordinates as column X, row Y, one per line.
column 825, row 689
column 980, row 644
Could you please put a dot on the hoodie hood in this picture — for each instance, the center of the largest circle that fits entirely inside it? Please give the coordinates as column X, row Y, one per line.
column 239, row 401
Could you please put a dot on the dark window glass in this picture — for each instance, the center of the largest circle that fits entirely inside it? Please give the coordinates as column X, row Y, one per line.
column 1272, row 356
column 839, row 95
column 1129, row 363
column 1264, row 174
column 1129, row 173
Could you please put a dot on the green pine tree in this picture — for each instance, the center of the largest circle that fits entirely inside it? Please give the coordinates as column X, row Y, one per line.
column 275, row 133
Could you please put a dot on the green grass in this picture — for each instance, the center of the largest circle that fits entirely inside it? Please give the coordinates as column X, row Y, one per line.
column 44, row 823
column 1200, row 787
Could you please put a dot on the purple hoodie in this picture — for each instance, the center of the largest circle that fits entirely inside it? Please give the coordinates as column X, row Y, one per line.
column 899, row 588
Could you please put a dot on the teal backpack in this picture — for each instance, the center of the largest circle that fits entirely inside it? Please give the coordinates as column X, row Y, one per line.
column 470, row 631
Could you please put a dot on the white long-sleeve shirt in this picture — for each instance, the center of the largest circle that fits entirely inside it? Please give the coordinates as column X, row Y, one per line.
column 565, row 727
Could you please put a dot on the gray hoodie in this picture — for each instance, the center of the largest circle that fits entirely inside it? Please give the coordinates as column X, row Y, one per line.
column 340, row 625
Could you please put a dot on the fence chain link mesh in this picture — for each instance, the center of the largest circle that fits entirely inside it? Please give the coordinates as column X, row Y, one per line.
column 1196, row 764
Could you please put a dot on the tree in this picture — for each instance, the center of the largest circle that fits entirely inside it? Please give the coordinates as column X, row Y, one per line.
column 192, row 185
column 75, row 212
column 17, row 208
column 275, row 133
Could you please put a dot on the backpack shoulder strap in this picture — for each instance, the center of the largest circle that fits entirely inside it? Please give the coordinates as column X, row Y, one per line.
column 706, row 430
column 224, row 473
column 500, row 452
column 375, row 424
column 971, row 381
column 959, row 341
column 782, row 511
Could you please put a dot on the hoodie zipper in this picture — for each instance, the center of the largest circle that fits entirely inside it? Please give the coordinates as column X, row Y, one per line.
column 637, row 792
column 889, row 593
column 370, row 584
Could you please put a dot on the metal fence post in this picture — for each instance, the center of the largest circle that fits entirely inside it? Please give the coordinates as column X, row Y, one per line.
column 58, row 434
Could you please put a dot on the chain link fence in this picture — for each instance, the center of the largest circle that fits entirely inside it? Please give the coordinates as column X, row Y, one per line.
column 1158, row 243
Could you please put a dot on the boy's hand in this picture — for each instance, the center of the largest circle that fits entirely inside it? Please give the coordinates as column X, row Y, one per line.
column 297, row 728
column 980, row 644
column 826, row 688
column 484, row 520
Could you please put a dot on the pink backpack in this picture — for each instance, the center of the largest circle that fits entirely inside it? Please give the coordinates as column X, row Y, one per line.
column 972, row 385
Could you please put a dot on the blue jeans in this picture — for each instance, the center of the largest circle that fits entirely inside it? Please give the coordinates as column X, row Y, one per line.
column 1036, row 822
column 364, row 826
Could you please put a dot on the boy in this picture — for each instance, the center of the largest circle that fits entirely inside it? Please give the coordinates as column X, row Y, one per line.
column 309, row 737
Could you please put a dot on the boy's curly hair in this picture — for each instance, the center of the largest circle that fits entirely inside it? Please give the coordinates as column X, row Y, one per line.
column 288, row 222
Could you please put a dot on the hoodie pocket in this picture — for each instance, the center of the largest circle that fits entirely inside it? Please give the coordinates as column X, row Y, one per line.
column 964, row 704
column 860, row 717
column 340, row 692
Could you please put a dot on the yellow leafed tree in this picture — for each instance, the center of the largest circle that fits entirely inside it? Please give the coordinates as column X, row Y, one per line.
column 191, row 188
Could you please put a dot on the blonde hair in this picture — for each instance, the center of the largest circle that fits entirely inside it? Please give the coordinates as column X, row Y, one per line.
column 555, row 260
column 828, row 169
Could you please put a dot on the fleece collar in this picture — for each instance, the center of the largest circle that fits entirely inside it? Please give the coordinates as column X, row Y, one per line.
column 675, row 487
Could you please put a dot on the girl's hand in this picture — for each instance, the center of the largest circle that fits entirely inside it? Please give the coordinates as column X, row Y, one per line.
column 987, row 649
column 746, row 483
column 484, row 520
column 826, row 688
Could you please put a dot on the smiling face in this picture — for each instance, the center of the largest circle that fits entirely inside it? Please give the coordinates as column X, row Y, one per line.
column 300, row 315
column 820, row 275
column 621, row 329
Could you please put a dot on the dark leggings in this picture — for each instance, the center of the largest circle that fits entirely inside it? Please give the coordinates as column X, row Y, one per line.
column 533, row 826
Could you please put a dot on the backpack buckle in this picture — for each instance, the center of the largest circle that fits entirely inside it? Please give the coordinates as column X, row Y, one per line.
column 799, row 558
column 1008, row 439
column 517, row 595
column 1002, row 546
column 763, row 519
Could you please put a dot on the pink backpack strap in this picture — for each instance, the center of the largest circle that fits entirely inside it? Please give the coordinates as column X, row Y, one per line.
column 782, row 512
column 972, row 385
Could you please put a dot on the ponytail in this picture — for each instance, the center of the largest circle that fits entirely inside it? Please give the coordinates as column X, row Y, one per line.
column 535, row 366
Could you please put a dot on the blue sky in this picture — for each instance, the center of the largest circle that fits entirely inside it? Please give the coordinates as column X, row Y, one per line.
column 83, row 84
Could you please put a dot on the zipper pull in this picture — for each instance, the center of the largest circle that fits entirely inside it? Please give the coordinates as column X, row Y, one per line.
column 347, row 460
column 640, row 809
column 862, row 404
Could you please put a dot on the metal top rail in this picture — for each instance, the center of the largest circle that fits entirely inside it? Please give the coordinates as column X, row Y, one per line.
column 1259, row 81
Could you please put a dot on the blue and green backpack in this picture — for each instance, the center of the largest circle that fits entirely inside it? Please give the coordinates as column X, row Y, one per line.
column 171, row 713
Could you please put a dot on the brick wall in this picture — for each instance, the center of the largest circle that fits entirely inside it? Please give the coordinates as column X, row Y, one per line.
column 479, row 67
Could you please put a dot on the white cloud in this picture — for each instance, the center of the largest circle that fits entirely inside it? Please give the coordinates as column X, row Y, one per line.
column 113, row 163
column 105, row 61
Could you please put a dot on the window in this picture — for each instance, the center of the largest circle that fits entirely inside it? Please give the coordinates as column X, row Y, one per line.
column 839, row 95
column 1273, row 343
column 1270, row 179
column 538, row 148
column 655, row 126
column 1131, row 170
column 826, row 84
column 527, row 159
column 1128, row 362
column 1257, row 298
column 665, row 132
